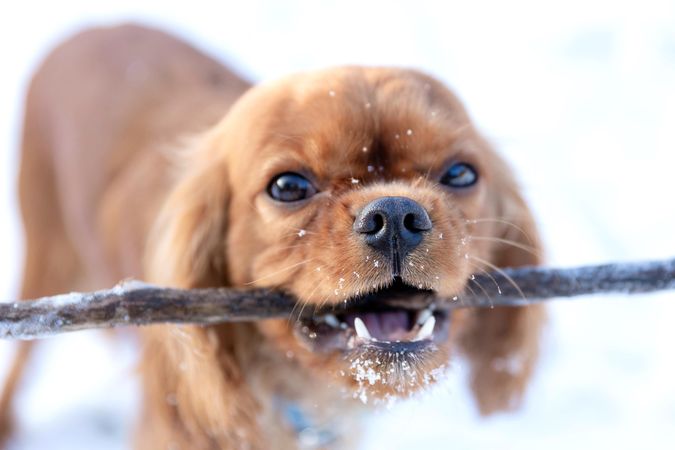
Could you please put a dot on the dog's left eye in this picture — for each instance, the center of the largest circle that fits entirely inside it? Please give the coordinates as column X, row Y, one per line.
column 290, row 187
column 460, row 175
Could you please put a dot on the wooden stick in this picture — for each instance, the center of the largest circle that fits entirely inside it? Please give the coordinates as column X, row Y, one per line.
column 136, row 303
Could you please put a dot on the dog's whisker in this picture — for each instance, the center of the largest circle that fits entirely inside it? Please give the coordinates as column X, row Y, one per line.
column 299, row 316
column 324, row 300
column 302, row 308
column 531, row 250
column 486, row 273
column 280, row 271
column 300, row 232
column 304, row 304
column 282, row 250
column 437, row 157
column 290, row 247
column 473, row 279
column 501, row 272
column 473, row 293
column 502, row 221
column 293, row 318
column 297, row 232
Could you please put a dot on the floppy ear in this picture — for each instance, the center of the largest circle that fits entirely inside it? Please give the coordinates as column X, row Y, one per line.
column 502, row 343
column 187, row 243
column 194, row 392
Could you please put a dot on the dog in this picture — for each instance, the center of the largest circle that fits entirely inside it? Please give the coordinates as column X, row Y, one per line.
column 142, row 157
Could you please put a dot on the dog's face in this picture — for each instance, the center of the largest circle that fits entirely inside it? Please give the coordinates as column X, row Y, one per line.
column 347, row 187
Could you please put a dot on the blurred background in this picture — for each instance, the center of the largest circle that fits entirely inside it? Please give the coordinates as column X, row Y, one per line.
column 579, row 96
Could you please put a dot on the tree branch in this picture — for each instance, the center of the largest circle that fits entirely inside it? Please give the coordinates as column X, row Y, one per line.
column 136, row 303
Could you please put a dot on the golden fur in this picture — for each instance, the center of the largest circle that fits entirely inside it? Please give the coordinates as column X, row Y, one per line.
column 102, row 115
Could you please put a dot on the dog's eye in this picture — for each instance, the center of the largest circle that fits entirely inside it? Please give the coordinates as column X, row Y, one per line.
column 290, row 187
column 460, row 175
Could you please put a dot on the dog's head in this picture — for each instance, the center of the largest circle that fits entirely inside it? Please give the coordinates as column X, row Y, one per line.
column 345, row 188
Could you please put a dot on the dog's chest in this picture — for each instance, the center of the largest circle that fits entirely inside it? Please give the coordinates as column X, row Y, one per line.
column 301, row 412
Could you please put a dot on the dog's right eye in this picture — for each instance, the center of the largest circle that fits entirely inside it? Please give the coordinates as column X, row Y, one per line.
column 290, row 187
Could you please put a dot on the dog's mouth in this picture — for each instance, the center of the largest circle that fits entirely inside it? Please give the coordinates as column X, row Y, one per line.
column 371, row 321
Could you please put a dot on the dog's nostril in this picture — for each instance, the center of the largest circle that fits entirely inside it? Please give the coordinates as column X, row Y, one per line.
column 370, row 223
column 417, row 221
column 409, row 223
column 378, row 223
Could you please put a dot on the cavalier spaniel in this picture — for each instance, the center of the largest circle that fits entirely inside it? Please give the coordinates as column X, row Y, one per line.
column 142, row 157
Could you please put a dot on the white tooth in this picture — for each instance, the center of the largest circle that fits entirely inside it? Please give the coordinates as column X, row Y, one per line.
column 361, row 329
column 423, row 316
column 331, row 320
column 427, row 329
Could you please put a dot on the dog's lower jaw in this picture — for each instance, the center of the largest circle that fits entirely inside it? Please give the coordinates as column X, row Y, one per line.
column 317, row 400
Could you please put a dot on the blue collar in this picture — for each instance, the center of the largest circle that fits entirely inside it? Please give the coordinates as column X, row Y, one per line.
column 311, row 435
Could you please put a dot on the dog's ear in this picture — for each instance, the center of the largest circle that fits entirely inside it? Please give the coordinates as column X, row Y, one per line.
column 194, row 391
column 187, row 243
column 502, row 343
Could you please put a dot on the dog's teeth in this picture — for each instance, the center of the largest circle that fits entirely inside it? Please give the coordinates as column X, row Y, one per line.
column 331, row 320
column 423, row 315
column 361, row 329
column 427, row 329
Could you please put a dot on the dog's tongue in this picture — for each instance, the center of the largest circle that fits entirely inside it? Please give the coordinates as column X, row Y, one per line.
column 384, row 325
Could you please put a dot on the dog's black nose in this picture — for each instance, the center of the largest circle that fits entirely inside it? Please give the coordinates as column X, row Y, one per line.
column 393, row 225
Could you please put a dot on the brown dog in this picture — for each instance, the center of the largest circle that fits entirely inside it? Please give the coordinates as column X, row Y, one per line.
column 342, row 187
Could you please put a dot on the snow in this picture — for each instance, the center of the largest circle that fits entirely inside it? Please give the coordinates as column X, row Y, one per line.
column 580, row 98
column 71, row 298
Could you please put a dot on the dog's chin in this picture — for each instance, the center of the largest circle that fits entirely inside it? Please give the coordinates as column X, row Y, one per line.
column 389, row 351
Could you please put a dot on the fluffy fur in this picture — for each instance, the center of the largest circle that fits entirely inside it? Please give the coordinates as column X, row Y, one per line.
column 100, row 178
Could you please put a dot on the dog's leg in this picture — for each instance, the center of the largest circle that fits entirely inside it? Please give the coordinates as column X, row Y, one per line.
column 51, row 264
column 11, row 385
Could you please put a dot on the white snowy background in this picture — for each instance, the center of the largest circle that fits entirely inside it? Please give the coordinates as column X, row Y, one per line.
column 580, row 97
